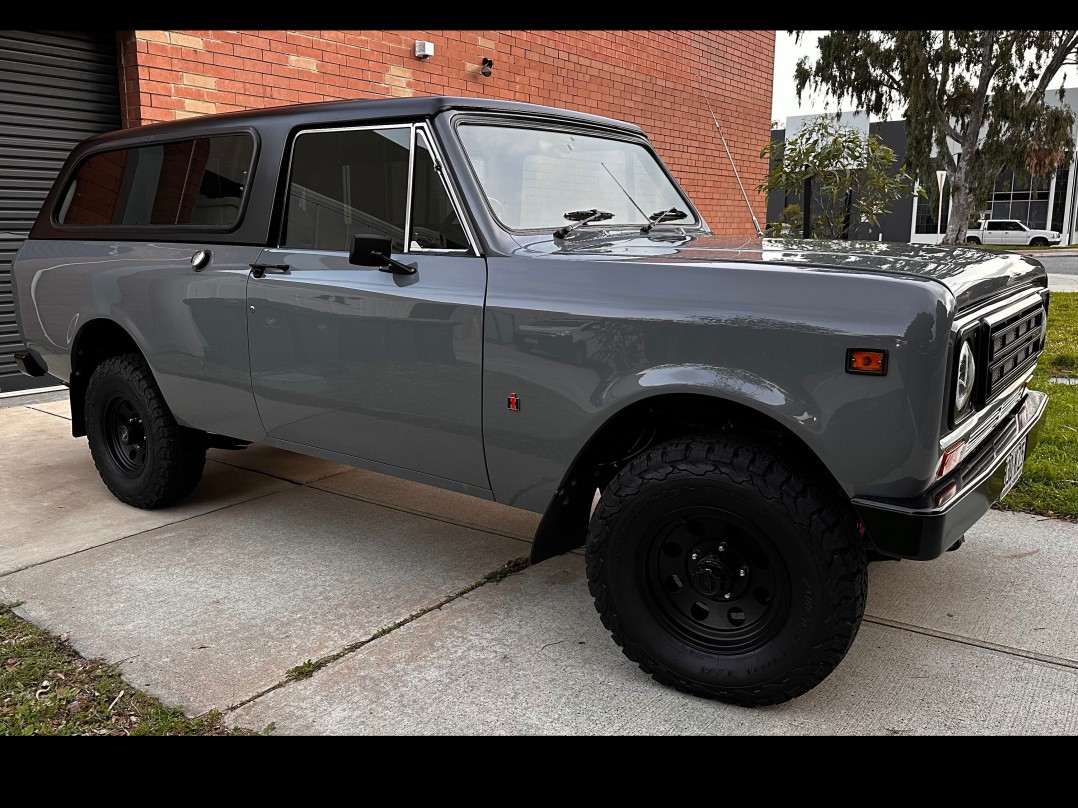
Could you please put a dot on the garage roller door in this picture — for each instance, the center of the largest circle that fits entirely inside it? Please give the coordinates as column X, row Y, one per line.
column 56, row 89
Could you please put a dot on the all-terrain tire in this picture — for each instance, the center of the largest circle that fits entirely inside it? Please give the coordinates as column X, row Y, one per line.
column 156, row 461
column 1039, row 241
column 778, row 511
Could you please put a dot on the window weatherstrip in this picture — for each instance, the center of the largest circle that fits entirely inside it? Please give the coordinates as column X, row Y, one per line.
column 410, row 194
column 292, row 162
column 440, row 169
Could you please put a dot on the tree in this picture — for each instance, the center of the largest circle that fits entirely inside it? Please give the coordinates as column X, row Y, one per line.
column 851, row 172
column 980, row 94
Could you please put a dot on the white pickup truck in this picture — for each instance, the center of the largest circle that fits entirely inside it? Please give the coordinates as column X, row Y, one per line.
column 1009, row 231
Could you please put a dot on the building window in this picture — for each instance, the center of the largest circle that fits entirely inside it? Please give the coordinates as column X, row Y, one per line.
column 1059, row 204
column 928, row 208
column 1019, row 196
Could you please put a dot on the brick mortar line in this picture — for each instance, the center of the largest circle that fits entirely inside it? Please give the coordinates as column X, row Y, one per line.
column 1034, row 656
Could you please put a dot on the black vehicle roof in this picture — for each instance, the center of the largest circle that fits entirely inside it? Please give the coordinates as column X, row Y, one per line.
column 293, row 115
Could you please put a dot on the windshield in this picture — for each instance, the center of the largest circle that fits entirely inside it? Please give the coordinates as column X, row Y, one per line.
column 533, row 177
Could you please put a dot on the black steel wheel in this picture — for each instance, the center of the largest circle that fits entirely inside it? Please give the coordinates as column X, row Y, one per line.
column 715, row 580
column 144, row 457
column 727, row 568
column 1038, row 242
column 124, row 434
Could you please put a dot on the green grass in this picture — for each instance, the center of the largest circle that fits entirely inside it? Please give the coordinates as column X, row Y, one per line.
column 1049, row 483
column 46, row 688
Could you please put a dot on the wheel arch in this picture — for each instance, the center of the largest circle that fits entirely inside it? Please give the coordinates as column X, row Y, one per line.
column 633, row 429
column 96, row 340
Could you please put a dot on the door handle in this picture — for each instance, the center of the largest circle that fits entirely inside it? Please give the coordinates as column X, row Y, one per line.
column 259, row 270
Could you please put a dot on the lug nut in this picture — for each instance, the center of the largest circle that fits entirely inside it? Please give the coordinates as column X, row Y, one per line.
column 743, row 571
column 722, row 547
column 694, row 556
column 727, row 596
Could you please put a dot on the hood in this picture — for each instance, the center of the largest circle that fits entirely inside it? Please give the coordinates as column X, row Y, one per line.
column 972, row 275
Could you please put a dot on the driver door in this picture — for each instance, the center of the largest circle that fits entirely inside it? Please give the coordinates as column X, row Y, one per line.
column 375, row 368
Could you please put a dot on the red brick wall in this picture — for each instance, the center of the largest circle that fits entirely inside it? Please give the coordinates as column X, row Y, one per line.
column 653, row 78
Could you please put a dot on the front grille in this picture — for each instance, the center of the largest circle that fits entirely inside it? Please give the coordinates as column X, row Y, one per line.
column 1013, row 347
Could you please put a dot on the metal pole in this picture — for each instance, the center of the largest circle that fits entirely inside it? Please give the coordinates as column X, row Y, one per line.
column 806, row 209
column 846, row 217
column 941, row 180
column 939, row 220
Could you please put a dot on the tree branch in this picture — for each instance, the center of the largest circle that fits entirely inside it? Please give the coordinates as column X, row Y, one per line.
column 935, row 89
column 1065, row 53
column 988, row 70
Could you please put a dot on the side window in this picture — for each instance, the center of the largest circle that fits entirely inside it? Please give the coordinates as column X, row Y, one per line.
column 216, row 179
column 435, row 223
column 347, row 183
column 199, row 181
column 994, row 226
column 1013, row 225
column 93, row 196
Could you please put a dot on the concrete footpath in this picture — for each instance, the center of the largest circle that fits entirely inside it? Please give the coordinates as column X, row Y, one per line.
column 278, row 559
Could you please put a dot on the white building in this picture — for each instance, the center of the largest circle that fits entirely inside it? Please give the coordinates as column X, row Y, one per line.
column 1041, row 203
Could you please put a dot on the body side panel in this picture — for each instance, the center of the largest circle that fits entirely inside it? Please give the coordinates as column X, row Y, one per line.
column 578, row 340
column 373, row 365
column 191, row 326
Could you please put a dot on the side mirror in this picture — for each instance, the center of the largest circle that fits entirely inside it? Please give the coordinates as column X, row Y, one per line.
column 374, row 251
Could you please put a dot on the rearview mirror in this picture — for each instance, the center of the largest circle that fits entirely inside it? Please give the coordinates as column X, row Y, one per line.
column 374, row 251
column 369, row 251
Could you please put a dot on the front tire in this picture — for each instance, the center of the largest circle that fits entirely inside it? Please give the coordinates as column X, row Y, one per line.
column 1038, row 242
column 724, row 569
column 144, row 457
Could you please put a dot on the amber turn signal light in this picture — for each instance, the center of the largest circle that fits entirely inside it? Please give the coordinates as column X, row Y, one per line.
column 873, row 363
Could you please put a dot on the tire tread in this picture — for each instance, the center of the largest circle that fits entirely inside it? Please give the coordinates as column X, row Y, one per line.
column 179, row 452
column 820, row 513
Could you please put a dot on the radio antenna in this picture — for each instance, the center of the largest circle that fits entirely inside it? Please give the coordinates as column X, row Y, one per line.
column 755, row 223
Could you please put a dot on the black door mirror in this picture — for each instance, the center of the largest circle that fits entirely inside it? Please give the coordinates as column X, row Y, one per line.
column 374, row 251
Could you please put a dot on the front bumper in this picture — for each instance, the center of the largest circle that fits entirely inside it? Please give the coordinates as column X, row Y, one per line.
column 925, row 526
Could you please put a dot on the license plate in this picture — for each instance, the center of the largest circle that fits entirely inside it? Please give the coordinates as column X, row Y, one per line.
column 1015, row 461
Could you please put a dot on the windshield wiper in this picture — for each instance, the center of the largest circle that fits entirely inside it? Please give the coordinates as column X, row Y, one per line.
column 668, row 215
column 579, row 217
column 655, row 218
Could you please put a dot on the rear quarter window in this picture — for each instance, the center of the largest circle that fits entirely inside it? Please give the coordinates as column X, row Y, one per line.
column 200, row 181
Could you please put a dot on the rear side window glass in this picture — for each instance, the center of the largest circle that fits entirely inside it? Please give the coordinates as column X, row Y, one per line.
column 188, row 182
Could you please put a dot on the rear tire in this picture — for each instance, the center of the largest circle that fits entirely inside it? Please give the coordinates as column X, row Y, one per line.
column 1038, row 242
column 723, row 568
column 972, row 240
column 144, row 457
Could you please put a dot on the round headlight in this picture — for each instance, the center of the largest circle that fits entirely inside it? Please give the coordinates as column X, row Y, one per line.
column 967, row 372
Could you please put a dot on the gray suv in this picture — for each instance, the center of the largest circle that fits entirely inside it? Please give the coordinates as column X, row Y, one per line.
column 520, row 303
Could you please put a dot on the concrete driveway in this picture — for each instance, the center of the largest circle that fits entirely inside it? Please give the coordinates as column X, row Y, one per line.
column 279, row 559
